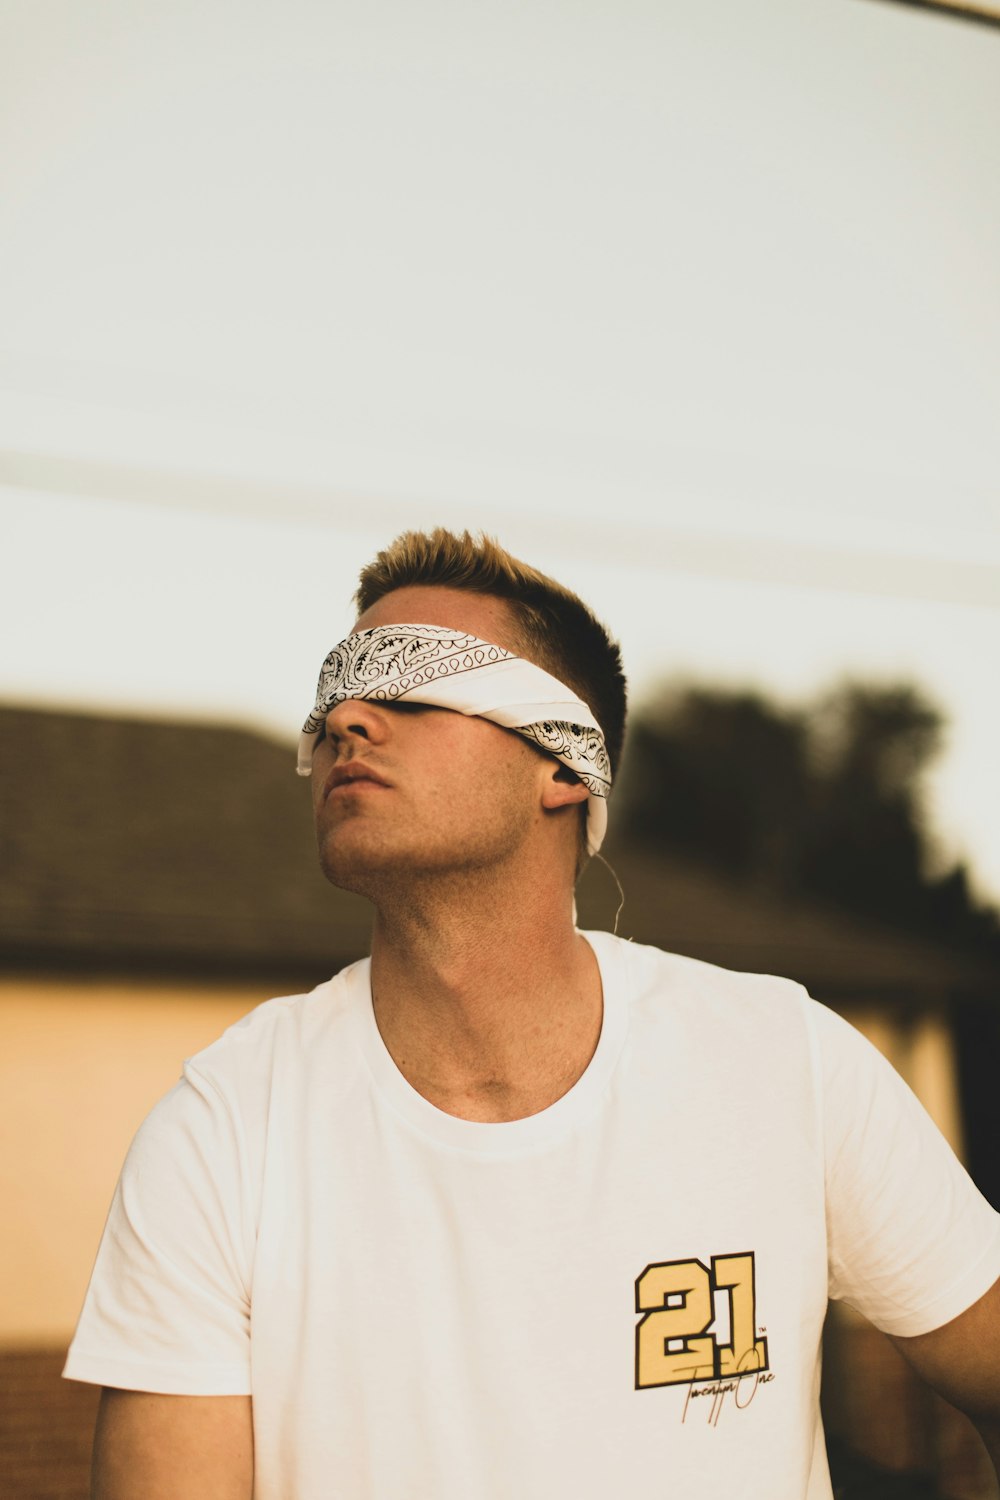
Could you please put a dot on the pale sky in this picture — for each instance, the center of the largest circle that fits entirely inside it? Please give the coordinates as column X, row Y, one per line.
column 696, row 306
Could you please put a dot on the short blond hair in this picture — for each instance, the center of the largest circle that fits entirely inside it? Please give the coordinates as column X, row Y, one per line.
column 553, row 626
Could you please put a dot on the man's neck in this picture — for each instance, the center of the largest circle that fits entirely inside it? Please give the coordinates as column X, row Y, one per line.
column 490, row 1006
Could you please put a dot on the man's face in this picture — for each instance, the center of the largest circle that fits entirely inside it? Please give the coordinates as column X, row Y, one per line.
column 453, row 792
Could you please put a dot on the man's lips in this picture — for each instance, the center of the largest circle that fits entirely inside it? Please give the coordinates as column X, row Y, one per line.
column 352, row 773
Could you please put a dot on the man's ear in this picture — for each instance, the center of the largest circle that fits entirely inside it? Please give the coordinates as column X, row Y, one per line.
column 562, row 787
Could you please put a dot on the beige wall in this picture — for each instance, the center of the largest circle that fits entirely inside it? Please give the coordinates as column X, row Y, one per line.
column 81, row 1063
column 922, row 1050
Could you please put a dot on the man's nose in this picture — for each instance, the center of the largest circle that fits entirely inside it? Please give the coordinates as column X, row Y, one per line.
column 357, row 718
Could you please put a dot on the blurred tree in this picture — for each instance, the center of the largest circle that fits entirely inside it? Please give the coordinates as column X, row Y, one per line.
column 866, row 844
column 723, row 778
column 824, row 799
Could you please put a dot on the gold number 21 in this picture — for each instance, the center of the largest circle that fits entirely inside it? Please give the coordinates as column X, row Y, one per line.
column 673, row 1345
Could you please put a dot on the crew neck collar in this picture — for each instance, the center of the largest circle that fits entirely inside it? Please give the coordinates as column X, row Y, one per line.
column 509, row 1137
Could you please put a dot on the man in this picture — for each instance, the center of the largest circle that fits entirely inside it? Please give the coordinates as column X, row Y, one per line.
column 507, row 1210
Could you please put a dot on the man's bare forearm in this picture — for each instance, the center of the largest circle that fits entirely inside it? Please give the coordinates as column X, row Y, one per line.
column 961, row 1361
column 152, row 1447
column 989, row 1430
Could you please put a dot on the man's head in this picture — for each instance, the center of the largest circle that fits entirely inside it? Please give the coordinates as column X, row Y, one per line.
column 480, row 790
column 547, row 623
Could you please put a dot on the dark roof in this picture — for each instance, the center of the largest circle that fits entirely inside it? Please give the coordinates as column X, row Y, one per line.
column 188, row 847
column 163, row 846
column 696, row 911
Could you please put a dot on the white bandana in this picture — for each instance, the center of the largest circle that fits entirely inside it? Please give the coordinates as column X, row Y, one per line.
column 450, row 669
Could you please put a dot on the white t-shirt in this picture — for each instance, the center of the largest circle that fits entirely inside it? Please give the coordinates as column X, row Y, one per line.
column 623, row 1294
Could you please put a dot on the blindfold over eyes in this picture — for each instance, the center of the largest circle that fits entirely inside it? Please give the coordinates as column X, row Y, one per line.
column 449, row 669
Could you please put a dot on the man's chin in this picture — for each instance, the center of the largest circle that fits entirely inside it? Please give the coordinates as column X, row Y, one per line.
column 369, row 863
column 352, row 861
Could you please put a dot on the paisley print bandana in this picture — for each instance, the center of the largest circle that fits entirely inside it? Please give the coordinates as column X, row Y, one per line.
column 450, row 669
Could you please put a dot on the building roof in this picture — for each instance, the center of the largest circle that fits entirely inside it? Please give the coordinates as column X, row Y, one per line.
column 140, row 844
column 687, row 909
column 166, row 847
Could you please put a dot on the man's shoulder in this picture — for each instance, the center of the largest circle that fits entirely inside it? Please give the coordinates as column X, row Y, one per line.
column 283, row 1028
column 661, row 971
column 671, row 993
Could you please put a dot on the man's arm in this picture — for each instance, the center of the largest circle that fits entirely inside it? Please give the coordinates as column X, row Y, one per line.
column 962, row 1363
column 150, row 1447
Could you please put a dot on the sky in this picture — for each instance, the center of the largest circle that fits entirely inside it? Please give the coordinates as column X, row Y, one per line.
column 696, row 307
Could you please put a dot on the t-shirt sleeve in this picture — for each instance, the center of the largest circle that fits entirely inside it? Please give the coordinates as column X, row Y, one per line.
column 168, row 1306
column 912, row 1242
